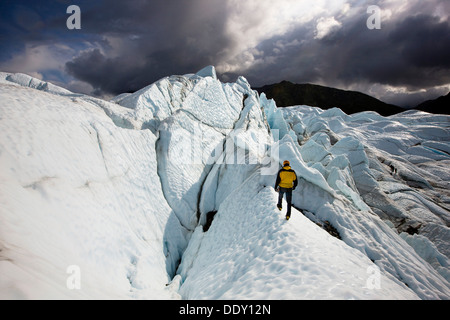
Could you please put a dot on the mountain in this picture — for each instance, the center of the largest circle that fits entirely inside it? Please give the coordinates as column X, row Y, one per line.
column 168, row 193
column 440, row 105
column 287, row 94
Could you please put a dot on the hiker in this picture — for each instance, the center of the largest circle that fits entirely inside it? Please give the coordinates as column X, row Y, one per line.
column 285, row 184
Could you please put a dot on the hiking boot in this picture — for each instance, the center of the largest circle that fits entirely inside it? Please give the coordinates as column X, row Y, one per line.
column 279, row 207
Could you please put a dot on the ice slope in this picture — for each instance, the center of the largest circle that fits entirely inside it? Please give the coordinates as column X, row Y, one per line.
column 83, row 178
column 76, row 190
column 392, row 181
column 121, row 190
column 252, row 252
column 248, row 254
column 329, row 191
column 399, row 166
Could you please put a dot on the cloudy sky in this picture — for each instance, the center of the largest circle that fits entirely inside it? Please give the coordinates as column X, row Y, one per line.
column 125, row 45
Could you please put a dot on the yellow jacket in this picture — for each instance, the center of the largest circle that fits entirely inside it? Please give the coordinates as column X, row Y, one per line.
column 286, row 178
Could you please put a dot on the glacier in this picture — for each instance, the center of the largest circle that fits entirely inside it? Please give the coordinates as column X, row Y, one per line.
column 167, row 193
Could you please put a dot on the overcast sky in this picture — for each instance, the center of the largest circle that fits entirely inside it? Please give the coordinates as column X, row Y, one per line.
column 125, row 45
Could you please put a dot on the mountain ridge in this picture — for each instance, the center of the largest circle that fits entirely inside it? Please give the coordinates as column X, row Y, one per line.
column 437, row 105
column 287, row 94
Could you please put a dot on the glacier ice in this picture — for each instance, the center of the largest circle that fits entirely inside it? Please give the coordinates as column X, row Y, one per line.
column 121, row 189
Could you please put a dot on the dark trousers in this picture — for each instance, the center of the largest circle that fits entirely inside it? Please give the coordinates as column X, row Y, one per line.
column 288, row 193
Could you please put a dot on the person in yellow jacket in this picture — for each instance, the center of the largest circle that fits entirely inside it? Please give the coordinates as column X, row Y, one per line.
column 286, row 182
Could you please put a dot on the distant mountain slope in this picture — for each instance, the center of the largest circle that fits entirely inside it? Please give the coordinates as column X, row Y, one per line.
column 439, row 105
column 287, row 94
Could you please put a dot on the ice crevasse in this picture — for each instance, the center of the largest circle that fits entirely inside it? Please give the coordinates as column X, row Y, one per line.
column 121, row 189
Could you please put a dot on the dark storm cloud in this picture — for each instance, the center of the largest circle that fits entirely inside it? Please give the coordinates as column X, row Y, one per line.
column 126, row 45
column 425, row 41
column 151, row 39
column 409, row 51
